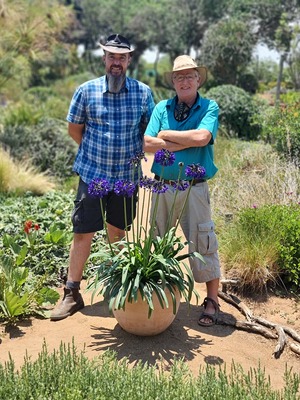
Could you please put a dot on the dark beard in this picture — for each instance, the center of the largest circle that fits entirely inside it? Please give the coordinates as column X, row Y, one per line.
column 115, row 83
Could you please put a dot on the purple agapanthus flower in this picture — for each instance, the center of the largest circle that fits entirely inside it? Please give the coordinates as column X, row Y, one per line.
column 146, row 183
column 124, row 188
column 159, row 187
column 164, row 157
column 195, row 171
column 180, row 185
column 98, row 188
column 136, row 160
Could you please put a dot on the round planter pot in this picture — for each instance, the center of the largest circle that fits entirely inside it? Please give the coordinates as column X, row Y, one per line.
column 134, row 319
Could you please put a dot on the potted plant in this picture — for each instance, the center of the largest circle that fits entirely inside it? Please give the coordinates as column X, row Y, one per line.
column 144, row 276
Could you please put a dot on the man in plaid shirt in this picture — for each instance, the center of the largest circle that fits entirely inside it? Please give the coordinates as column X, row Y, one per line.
column 107, row 118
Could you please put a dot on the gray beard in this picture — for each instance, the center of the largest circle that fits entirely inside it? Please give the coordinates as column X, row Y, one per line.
column 115, row 83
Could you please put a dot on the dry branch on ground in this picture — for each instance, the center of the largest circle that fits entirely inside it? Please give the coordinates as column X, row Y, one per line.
column 259, row 325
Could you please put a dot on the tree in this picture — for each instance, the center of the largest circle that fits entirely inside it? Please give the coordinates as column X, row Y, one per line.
column 173, row 27
column 29, row 31
column 293, row 58
column 283, row 36
column 227, row 50
column 265, row 15
column 274, row 22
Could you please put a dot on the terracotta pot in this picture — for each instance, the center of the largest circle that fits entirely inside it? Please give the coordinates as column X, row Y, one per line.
column 135, row 317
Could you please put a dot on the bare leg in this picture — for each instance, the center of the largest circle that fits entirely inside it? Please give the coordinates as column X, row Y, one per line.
column 212, row 292
column 79, row 253
column 81, row 248
column 212, row 289
column 115, row 234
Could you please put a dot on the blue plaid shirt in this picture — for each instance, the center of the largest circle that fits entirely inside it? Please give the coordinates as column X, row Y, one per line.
column 114, row 128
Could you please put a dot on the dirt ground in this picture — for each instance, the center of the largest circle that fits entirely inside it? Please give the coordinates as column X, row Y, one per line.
column 94, row 330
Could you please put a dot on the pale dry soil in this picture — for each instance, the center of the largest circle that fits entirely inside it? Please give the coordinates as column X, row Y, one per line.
column 95, row 330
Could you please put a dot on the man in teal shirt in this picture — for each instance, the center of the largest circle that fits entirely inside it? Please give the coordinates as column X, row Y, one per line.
column 187, row 125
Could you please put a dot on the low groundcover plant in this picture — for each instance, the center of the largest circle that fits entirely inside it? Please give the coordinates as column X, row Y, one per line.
column 144, row 262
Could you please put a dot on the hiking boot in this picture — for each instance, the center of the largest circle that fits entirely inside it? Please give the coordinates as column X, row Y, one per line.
column 71, row 302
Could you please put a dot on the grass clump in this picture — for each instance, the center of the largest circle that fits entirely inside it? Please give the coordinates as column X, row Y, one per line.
column 20, row 177
column 262, row 245
column 66, row 374
column 251, row 174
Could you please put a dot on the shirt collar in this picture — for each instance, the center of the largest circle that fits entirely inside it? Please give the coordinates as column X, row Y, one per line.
column 173, row 101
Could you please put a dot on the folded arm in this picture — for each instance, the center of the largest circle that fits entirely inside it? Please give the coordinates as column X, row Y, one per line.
column 153, row 144
column 190, row 138
column 177, row 140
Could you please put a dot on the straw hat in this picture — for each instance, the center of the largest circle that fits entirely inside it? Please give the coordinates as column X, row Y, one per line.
column 185, row 62
column 117, row 44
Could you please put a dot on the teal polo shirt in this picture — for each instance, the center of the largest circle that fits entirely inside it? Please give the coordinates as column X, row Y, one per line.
column 203, row 115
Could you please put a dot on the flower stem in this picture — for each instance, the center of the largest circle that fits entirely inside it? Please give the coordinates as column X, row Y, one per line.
column 184, row 205
column 105, row 227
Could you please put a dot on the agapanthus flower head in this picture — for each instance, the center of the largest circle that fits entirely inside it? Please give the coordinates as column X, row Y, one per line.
column 136, row 160
column 124, row 188
column 195, row 171
column 164, row 157
column 98, row 188
column 158, row 187
column 146, row 183
column 180, row 185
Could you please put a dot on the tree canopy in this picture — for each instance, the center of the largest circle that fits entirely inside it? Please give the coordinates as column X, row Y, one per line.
column 39, row 39
column 29, row 32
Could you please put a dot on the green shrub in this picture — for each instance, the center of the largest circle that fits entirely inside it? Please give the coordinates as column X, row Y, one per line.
column 45, row 251
column 39, row 93
column 47, row 102
column 237, row 109
column 248, row 82
column 21, row 113
column 48, row 252
column 263, row 244
column 290, row 97
column 35, row 106
column 281, row 127
column 66, row 374
column 47, row 145
column 23, row 294
column 66, row 87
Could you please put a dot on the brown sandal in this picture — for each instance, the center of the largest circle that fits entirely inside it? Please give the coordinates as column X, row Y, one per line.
column 213, row 317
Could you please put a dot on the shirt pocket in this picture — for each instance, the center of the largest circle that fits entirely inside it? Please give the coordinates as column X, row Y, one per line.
column 97, row 114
